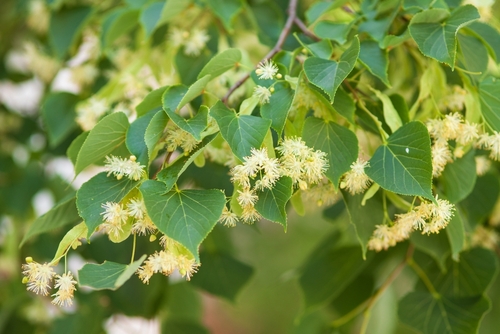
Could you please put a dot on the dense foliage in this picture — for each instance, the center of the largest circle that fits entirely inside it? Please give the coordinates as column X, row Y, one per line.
column 154, row 153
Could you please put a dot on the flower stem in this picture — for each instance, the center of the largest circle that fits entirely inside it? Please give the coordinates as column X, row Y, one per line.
column 133, row 248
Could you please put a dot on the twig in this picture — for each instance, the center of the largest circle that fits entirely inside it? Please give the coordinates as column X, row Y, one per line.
column 292, row 14
column 304, row 29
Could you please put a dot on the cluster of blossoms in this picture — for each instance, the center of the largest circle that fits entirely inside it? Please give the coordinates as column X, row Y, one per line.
column 174, row 257
column 38, row 279
column 193, row 41
column 263, row 93
column 259, row 172
column 89, row 112
column 176, row 137
column 115, row 217
column 452, row 127
column 356, row 181
column 267, row 70
column 428, row 217
column 124, row 167
column 491, row 143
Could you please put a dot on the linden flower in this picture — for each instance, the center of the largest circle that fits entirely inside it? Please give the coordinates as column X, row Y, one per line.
column 250, row 215
column 262, row 93
column 247, row 198
column 187, row 266
column 38, row 277
column 441, row 155
column 383, row 237
column 114, row 217
column 196, row 42
column 483, row 164
column 143, row 226
column 176, row 137
column 136, row 208
column 66, row 285
column 468, row 133
column 485, row 237
column 228, row 218
column 124, row 167
column 356, row 181
column 89, row 111
column 266, row 69
column 452, row 126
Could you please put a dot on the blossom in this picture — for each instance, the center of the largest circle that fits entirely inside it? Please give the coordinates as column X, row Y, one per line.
column 143, row 226
column 38, row 277
column 483, row 164
column 124, row 167
column 383, row 237
column 66, row 285
column 114, row 217
column 262, row 93
column 228, row 218
column 468, row 133
column 266, row 69
column 187, row 266
column 441, row 155
column 196, row 42
column 247, row 198
column 136, row 208
column 356, row 181
column 176, row 137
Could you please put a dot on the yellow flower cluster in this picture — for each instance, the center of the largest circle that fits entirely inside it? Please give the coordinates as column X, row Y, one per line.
column 38, row 279
column 124, row 167
column 356, row 181
column 428, row 217
column 176, row 137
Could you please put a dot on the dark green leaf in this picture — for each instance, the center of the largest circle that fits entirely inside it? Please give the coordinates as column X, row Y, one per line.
column 479, row 204
column 473, row 55
column 154, row 132
column 108, row 275
column 135, row 138
column 489, row 94
column 278, row 107
column 272, row 202
column 403, row 165
column 242, row 133
column 327, row 74
column 194, row 125
column 332, row 30
column 435, row 31
column 489, row 35
column 339, row 143
column 459, row 177
column 456, row 235
column 221, row 63
column 344, row 105
column 226, row 10
column 58, row 112
column 434, row 245
column 106, row 136
column 65, row 28
column 375, row 60
column 186, row 216
column 222, row 275
column 97, row 191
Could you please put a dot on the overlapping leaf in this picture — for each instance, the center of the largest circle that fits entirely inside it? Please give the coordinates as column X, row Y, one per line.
column 489, row 94
column 272, row 202
column 278, row 107
column 221, row 63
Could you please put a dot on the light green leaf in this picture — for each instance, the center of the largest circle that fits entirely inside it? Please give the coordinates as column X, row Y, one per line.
column 194, row 90
column 339, row 143
column 222, row 275
column 391, row 41
column 151, row 101
column 248, row 105
column 171, row 173
column 456, row 235
column 391, row 115
column 150, row 15
column 226, row 10
column 421, row 4
column 364, row 217
column 435, row 31
column 135, row 141
column 154, row 132
column 272, row 202
column 186, row 216
column 97, row 191
column 403, row 165
column 459, row 177
column 70, row 239
column 75, row 146
column 65, row 28
column 108, row 275
column 221, row 63
column 332, row 30
column 489, row 94
column 58, row 112
column 327, row 74
column 297, row 203
column 63, row 213
column 106, row 136
column 242, row 133
column 118, row 23
column 172, row 9
column 375, row 60
column 194, row 125
column 278, row 107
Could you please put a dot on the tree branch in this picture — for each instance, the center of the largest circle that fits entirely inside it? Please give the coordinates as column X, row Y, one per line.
column 305, row 30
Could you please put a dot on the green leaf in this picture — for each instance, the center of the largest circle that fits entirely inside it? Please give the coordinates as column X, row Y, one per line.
column 364, row 217
column 481, row 201
column 154, row 132
column 194, row 90
column 375, row 60
column 189, row 66
column 108, row 275
column 226, row 10
column 434, row 245
column 135, row 141
column 97, row 191
column 272, row 202
column 151, row 101
column 403, row 165
column 65, row 28
column 473, row 55
column 186, row 216
column 182, row 326
column 489, row 94
column 459, row 177
column 332, row 30
column 58, row 112
column 149, row 17
column 221, row 63
column 340, row 145
column 222, row 275
column 171, row 173
column 70, row 239
column 75, row 146
column 328, row 271
column 327, row 74
column 456, row 235
column 106, row 136
column 195, row 125
column 344, row 105
column 489, row 36
column 242, row 133
column 278, row 107
column 435, row 31
column 177, row 96
column 118, row 23
column 425, row 313
column 391, row 115
column 172, row 9
column 63, row 213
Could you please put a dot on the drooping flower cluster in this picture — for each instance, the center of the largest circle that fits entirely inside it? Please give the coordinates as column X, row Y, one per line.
column 428, row 217
column 176, row 137
column 452, row 127
column 356, row 181
column 115, row 216
column 124, row 167
column 38, row 279
column 194, row 41
column 491, row 143
column 174, row 257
